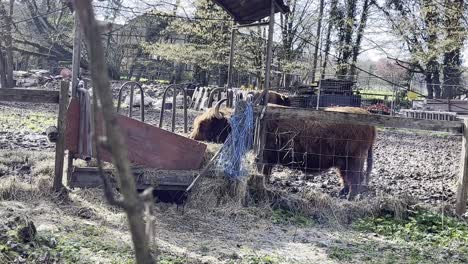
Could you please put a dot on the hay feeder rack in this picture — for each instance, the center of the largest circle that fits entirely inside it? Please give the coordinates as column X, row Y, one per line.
column 160, row 159
column 132, row 85
column 174, row 88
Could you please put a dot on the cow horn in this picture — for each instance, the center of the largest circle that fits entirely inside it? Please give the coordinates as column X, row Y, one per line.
column 218, row 105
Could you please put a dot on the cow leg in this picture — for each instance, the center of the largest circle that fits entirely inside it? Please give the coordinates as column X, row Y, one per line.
column 354, row 176
column 344, row 182
column 266, row 170
column 344, row 191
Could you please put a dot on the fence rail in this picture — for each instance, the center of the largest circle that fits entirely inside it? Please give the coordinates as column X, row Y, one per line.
column 29, row 96
column 376, row 120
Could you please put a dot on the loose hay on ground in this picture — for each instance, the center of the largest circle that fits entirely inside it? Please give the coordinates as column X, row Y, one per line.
column 26, row 175
column 217, row 193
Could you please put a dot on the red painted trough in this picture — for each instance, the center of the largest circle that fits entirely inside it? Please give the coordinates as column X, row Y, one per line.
column 148, row 146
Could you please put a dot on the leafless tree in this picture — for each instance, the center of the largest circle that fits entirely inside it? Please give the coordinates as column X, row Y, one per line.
column 114, row 142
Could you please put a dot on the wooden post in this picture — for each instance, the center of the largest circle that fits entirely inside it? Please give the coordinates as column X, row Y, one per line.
column 76, row 55
column 231, row 57
column 60, row 145
column 462, row 186
column 260, row 133
column 269, row 50
column 76, row 59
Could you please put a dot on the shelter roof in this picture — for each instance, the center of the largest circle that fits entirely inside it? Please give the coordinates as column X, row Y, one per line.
column 249, row 11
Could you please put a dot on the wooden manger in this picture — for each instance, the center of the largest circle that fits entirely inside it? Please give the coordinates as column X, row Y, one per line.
column 148, row 147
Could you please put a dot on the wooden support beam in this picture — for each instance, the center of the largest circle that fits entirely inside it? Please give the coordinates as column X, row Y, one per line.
column 60, row 145
column 357, row 119
column 29, row 96
column 231, row 57
column 76, row 54
column 89, row 177
column 462, row 185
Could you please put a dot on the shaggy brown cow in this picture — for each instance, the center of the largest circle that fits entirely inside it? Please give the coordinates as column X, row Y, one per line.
column 213, row 125
column 313, row 146
column 274, row 98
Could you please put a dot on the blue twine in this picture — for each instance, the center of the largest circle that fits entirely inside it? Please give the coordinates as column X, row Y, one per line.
column 239, row 141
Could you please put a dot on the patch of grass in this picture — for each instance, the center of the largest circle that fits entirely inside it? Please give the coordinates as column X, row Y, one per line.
column 13, row 159
column 281, row 216
column 417, row 132
column 44, row 168
column 87, row 242
column 423, row 226
column 266, row 259
column 164, row 259
column 426, row 235
column 376, row 94
column 341, row 254
column 31, row 121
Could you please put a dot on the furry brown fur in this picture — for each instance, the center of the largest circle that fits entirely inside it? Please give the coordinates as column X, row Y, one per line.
column 316, row 146
column 207, row 127
column 274, row 98
column 309, row 146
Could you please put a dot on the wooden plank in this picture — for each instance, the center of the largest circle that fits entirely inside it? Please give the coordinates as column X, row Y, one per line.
column 462, row 185
column 148, row 146
column 29, row 95
column 357, row 119
column 89, row 177
column 153, row 147
column 60, row 145
column 73, row 127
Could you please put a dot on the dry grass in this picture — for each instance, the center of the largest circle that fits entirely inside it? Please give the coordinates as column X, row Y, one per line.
column 25, row 176
column 217, row 193
column 214, row 193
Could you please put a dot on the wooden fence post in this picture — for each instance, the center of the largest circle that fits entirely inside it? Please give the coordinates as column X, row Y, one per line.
column 462, row 186
column 60, row 144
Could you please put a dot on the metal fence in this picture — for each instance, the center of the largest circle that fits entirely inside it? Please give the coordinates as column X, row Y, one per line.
column 300, row 154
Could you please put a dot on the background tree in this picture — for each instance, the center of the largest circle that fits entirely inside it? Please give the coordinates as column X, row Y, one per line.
column 201, row 41
column 296, row 31
column 433, row 34
column 6, row 47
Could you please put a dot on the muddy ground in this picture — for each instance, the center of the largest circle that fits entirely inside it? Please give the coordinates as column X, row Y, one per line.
column 84, row 229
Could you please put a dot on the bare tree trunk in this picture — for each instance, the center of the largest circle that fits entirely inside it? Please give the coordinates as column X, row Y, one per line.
column 436, row 80
column 346, row 50
column 326, row 52
column 430, row 90
column 132, row 203
column 452, row 73
column 317, row 41
column 3, row 78
column 8, row 43
column 177, row 72
column 452, row 70
column 9, row 47
column 360, row 33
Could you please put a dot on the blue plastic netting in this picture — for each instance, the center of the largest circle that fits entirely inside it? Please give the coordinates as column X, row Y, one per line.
column 239, row 142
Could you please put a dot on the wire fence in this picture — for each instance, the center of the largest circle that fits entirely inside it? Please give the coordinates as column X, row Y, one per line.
column 303, row 156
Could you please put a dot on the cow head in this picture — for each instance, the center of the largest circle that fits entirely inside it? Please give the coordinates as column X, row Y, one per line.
column 213, row 125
